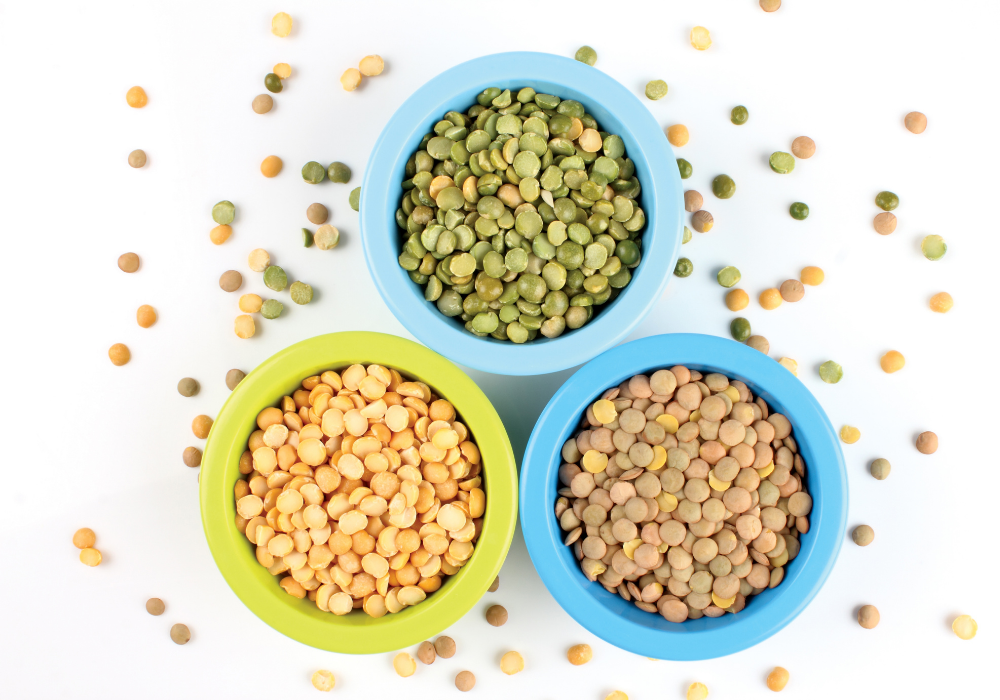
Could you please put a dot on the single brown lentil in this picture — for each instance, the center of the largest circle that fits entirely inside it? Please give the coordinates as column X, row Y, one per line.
column 803, row 147
column 465, row 681
column 234, row 377
column 119, row 354
column 495, row 586
column 759, row 342
column 426, row 653
column 155, row 606
column 792, row 290
column 444, row 646
column 868, row 617
column 230, row 281
column 863, row 535
column 496, row 615
column 262, row 104
column 137, row 158
column 192, row 457
column 927, row 443
column 145, row 316
column 702, row 221
column 180, row 634
column 885, row 223
column 317, row 213
column 693, row 201
column 915, row 122
column 200, row 426
column 128, row 262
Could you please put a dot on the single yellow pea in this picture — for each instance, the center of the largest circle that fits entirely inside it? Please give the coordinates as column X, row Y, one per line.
column 701, row 40
column 964, row 627
column 404, row 664
column 324, row 681
column 789, row 364
column 668, row 422
column 697, row 691
column 892, row 361
column 282, row 70
column 604, row 411
column 850, row 434
column 595, row 462
column 281, row 24
column 666, row 501
column 723, row 602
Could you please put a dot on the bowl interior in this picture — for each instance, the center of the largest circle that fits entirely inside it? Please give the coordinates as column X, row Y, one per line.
column 456, row 89
column 608, row 615
column 301, row 619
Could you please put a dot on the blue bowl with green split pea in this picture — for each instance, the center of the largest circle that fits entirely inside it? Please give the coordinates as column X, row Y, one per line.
column 617, row 111
column 609, row 616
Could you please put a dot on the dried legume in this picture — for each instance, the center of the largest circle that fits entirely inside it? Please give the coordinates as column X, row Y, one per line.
column 155, row 606
column 886, row 201
column 739, row 115
column 271, row 309
column 685, row 168
column 799, row 211
column 684, row 267
column 781, row 162
column 697, row 691
column 964, row 626
column 702, row 221
column 941, row 303
column 777, row 679
column 693, row 201
column 90, row 556
column 868, row 617
column 201, row 425
column 275, row 278
column 281, row 24
column 496, row 615
column 128, row 262
column 234, row 377
column 191, row 457
column 737, row 300
column 813, row 276
column 656, row 89
column 792, row 290
column 885, row 223
column 350, row 79
column 444, row 646
column 338, row 172
column 244, row 326
column 587, row 55
column 313, row 173
column 880, row 468
column 678, row 135
column 849, row 434
column 84, row 538
column 512, row 662
column 723, row 187
column 495, row 586
column 739, row 328
column 404, row 664
column 301, row 292
column 327, row 237
column 188, row 387
column 324, row 681
column 770, row 299
column 465, row 681
column 180, row 634
column 830, row 372
column 789, row 364
column 307, row 238
column 273, row 83
column 803, row 147
column 224, row 212
column 262, row 104
column 119, row 354
column 863, row 535
column 579, row 654
column 892, row 361
column 927, row 443
column 759, row 343
column 137, row 158
column 282, row 70
column 136, row 97
column 915, row 122
column 145, row 316
column 426, row 653
column 933, row 247
column 354, row 199
column 700, row 38
column 728, row 276
column 317, row 214
column 230, row 281
column 220, row 234
column 371, row 65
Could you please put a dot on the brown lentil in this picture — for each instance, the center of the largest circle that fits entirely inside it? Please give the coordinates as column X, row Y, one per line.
column 791, row 290
column 496, row 615
column 915, row 122
column 155, row 606
column 863, row 535
column 885, row 223
column 465, row 681
column 200, row 426
column 693, row 201
column 119, row 354
column 803, row 147
column 317, row 214
column 426, row 653
column 495, row 586
column 180, row 634
column 192, row 457
column 262, row 104
column 137, row 158
column 702, row 221
column 230, row 281
column 145, row 316
column 759, row 342
column 868, row 617
column 234, row 377
column 444, row 646
column 128, row 262
column 927, row 443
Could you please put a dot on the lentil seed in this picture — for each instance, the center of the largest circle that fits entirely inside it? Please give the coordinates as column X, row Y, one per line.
column 262, row 104
column 155, row 606
column 496, row 615
column 915, row 122
column 191, row 457
column 317, row 214
column 868, row 617
column 465, row 681
column 128, row 262
column 880, row 468
column 84, row 538
column 803, row 147
column 863, row 535
column 230, row 281
column 693, row 201
column 445, row 647
column 180, row 634
column 759, row 343
column 137, row 158
column 792, row 290
column 234, row 377
column 702, row 221
column 119, row 354
column 495, row 586
column 885, row 223
column 927, row 443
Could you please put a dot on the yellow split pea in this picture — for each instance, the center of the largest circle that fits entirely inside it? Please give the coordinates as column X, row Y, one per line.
column 270, row 166
column 737, row 300
column 350, row 79
column 371, row 65
column 281, row 24
column 282, row 70
column 770, row 299
column 941, row 302
column 697, row 691
column 892, row 361
column 678, row 135
column 404, row 664
column 812, row 275
column 324, row 681
column 850, row 434
column 145, row 316
column 511, row 663
column 220, row 234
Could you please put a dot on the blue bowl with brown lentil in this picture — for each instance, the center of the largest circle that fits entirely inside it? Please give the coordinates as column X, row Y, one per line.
column 559, row 333
column 663, row 627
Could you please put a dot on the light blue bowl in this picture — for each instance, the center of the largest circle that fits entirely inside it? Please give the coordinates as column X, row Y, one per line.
column 617, row 110
column 607, row 615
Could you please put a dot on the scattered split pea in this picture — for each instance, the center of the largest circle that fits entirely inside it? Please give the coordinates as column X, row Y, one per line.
column 145, row 316
column 892, row 361
column 271, row 166
column 737, row 300
column 579, row 654
column 323, row 681
column 84, row 538
column 119, row 354
column 933, row 247
column 697, row 691
column 701, row 39
column 789, row 364
column 656, row 89
column 811, row 275
column 678, row 135
column 964, row 627
column 136, row 97
column 778, row 678
column 512, row 662
column 404, row 664
column 915, row 122
column 350, row 79
column 941, row 303
column 770, row 299
column 281, row 24
column 201, row 425
column 849, row 434
column 771, row 6
column 372, row 65
column 739, row 115
column 830, row 372
column 587, row 55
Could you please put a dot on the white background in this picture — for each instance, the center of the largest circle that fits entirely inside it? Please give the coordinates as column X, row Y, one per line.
column 90, row 444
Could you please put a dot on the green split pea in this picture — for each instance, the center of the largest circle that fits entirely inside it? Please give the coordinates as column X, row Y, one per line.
column 830, row 372
column 275, row 278
column 723, row 187
column 799, row 211
column 729, row 276
column 313, row 172
column 271, row 309
column 782, row 163
column 739, row 115
column 740, row 329
column 587, row 55
column 224, row 212
column 684, row 267
column 656, row 89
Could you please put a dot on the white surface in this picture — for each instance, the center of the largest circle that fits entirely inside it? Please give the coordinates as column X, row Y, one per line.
column 89, row 444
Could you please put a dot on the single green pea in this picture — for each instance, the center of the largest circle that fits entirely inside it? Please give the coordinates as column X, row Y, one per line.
column 728, row 276
column 272, row 82
column 531, row 287
column 799, row 211
column 587, row 55
column 656, row 89
column 434, row 289
column 614, row 147
column 628, row 253
column 687, row 235
column 740, row 329
column 301, row 292
column 462, row 265
column 486, row 322
column 271, row 309
column 517, row 333
column 224, row 212
column 516, row 260
column 933, row 247
column 338, row 172
column 313, row 172
column 723, row 187
column 450, row 303
column 276, row 279
column 307, row 238
column 684, row 267
column 830, row 372
column 685, row 168
column 782, row 163
column 739, row 115
column 554, row 275
column 355, row 199
column 886, row 201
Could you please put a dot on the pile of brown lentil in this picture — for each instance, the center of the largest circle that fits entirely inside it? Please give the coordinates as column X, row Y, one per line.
column 683, row 494
column 364, row 489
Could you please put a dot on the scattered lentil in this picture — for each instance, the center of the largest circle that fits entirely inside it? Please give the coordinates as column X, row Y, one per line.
column 244, row 326
column 230, row 281
column 886, row 201
column 371, row 65
column 136, row 97
column 702, row 221
column 313, row 173
column 792, row 290
column 849, row 434
column 933, row 247
column 404, row 664
column 892, row 361
column 964, row 626
column 327, row 237
column 273, row 83
column 271, row 166
column 145, row 316
column 258, row 260
column 495, row 586
column 496, row 615
column 323, row 681
column 128, row 262
column 275, row 278
column 728, row 276
column 700, row 38
column 927, row 443
column 885, row 223
column 737, row 300
column 770, row 299
column 880, row 468
column 338, row 172
column 119, row 354
column 262, row 104
column 723, row 187
column 444, row 646
column 301, row 293
column 90, row 556
column 739, row 328
column 772, row 6
column 317, row 213
column 220, row 234
column 155, row 606
column 281, row 24
column 350, row 79
column 915, row 122
column 803, row 147
column 426, row 653
column 579, row 654
column 863, row 535
column 868, row 617
column 813, row 276
column 830, row 372
column 739, row 115
column 656, row 89
column 684, row 267
column 781, row 162
column 354, row 199
column 137, row 158
column 693, row 201
column 224, row 212
column 678, row 135
column 685, row 168
column 512, row 662
column 282, row 70
column 465, row 681
column 587, row 55
column 188, row 387
column 799, row 211
column 180, row 634
column 191, row 457
column 84, row 538
column 941, row 303
column 234, row 377
column 759, row 343
column 777, row 679
column 697, row 691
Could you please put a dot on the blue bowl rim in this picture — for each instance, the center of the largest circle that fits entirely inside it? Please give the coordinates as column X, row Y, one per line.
column 456, row 88
column 621, row 623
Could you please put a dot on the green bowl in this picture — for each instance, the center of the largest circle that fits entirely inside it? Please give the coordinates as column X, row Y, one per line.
column 355, row 633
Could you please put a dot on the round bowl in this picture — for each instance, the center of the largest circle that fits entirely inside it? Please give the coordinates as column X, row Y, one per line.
column 607, row 615
column 617, row 110
column 355, row 633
